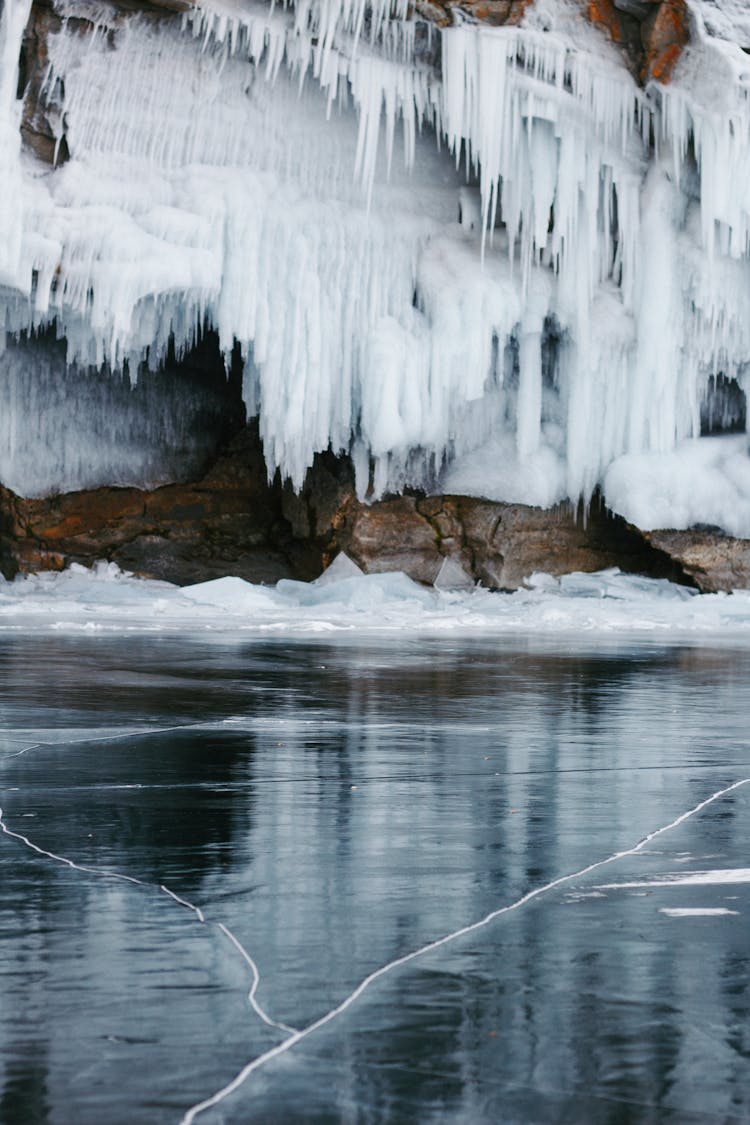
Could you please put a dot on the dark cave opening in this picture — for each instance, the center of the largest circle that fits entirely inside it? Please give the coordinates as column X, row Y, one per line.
column 724, row 407
column 65, row 426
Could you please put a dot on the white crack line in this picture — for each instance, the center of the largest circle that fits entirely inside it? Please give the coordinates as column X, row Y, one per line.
column 303, row 1033
column 259, row 1011
column 34, row 746
column 137, row 733
column 256, row 981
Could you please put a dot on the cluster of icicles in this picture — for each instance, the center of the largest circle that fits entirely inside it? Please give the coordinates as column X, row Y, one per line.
column 514, row 273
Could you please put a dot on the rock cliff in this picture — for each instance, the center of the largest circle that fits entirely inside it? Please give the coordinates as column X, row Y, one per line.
column 231, row 520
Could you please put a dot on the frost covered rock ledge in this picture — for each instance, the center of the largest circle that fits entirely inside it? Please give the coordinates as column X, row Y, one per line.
column 495, row 250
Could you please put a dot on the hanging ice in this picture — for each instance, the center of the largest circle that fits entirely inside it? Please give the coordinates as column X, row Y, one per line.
column 549, row 293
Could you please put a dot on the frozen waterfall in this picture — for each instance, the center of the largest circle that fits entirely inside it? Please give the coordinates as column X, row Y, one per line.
column 479, row 259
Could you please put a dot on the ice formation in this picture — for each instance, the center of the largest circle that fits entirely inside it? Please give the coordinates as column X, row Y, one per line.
column 516, row 273
column 604, row 605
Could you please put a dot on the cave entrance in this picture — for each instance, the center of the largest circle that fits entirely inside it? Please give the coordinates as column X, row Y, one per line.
column 65, row 427
column 723, row 408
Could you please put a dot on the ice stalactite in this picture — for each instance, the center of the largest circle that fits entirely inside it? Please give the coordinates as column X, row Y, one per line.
column 516, row 275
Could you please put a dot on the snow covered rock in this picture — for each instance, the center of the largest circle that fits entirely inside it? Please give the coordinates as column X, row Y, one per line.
column 713, row 561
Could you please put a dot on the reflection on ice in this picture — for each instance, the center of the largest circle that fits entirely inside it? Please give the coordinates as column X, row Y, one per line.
column 345, row 599
column 470, row 928
column 339, row 804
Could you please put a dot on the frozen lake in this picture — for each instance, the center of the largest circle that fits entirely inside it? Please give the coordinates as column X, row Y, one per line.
column 329, row 806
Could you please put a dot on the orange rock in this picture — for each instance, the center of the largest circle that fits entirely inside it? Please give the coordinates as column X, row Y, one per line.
column 604, row 14
column 665, row 39
column 495, row 13
column 652, row 42
column 662, row 65
column 518, row 11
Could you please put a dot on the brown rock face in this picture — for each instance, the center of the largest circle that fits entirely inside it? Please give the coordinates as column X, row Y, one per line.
column 496, row 544
column 40, row 124
column 653, row 33
column 493, row 12
column 229, row 522
column 666, row 34
column 713, row 561
column 233, row 521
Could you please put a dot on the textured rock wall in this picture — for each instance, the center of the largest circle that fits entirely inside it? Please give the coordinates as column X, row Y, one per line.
column 230, row 521
column 711, row 560
column 233, row 521
column 652, row 33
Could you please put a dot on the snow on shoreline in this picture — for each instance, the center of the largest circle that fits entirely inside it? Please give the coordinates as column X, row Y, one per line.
column 606, row 604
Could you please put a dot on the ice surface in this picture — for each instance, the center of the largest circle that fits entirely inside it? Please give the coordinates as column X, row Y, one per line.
column 275, row 171
column 452, row 576
column 342, row 567
column 230, row 594
column 726, row 19
column 607, row 604
column 362, row 595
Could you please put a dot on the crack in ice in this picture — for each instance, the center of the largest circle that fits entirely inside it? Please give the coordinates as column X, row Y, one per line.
column 86, row 868
column 338, row 1009
column 256, row 981
column 137, row 733
column 19, row 753
column 184, row 902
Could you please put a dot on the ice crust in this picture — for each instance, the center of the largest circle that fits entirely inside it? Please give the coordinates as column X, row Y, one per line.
column 526, row 312
column 605, row 605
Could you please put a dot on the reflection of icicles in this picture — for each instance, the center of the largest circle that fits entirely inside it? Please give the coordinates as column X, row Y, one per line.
column 530, row 896
column 196, row 910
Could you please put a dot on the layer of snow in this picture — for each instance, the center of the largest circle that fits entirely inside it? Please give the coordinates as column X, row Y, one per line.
column 706, row 481
column 726, row 19
column 696, row 911
column 608, row 604
column 538, row 479
column 263, row 168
